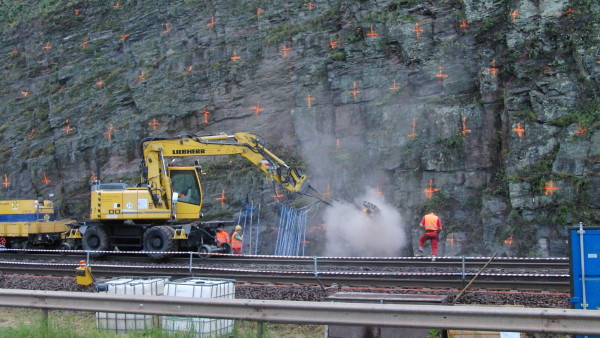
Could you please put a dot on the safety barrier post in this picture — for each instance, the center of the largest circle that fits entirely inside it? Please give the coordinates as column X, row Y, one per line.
column 190, row 265
column 584, row 305
column 463, row 269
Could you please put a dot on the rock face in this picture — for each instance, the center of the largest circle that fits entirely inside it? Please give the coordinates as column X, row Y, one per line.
column 493, row 105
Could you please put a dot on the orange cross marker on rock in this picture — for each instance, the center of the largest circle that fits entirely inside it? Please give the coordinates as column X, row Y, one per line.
column 494, row 70
column 123, row 37
column 549, row 188
column 395, row 86
column 46, row 180
column 99, row 83
column 372, row 33
column 509, row 241
column 309, row 99
column 310, row 5
column 14, row 51
column 6, row 182
column 31, row 133
column 277, row 194
column 284, row 50
column 153, row 124
column 378, row 191
column 47, row 46
column 519, row 130
column 25, row 93
column 140, row 78
column 211, row 23
column 464, row 130
column 569, row 11
column 188, row 70
column 167, row 28
column 440, row 75
column 205, row 112
column 354, row 92
column 417, row 30
column 414, row 126
column 257, row 109
column 581, row 129
column 327, row 190
column 117, row 5
column 222, row 198
column 259, row 11
column 235, row 58
column 514, row 15
column 109, row 132
column 85, row 43
column 68, row 128
column 333, row 44
column 93, row 177
column 430, row 190
column 464, row 24
column 76, row 11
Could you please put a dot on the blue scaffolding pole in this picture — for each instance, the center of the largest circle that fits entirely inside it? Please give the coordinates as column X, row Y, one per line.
column 291, row 232
column 249, row 219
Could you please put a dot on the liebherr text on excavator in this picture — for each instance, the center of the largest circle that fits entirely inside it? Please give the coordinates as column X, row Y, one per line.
column 161, row 214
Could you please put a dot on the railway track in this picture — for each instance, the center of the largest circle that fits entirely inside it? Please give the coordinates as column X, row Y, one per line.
column 403, row 272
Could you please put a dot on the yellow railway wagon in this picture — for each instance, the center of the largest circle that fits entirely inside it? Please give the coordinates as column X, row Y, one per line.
column 30, row 223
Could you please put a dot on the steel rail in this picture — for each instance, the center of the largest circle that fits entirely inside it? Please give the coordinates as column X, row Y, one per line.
column 542, row 320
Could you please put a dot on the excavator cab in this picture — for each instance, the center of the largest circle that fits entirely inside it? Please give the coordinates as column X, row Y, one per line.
column 185, row 182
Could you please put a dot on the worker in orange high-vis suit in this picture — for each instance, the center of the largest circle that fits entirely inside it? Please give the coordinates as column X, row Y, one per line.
column 222, row 237
column 236, row 240
column 432, row 225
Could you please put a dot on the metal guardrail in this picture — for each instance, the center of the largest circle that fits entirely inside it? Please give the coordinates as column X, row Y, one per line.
column 542, row 320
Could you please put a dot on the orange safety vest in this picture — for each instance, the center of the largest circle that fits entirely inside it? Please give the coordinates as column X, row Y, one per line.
column 431, row 222
column 236, row 241
column 222, row 238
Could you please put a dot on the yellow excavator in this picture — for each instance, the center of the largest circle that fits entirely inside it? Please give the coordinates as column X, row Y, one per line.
column 161, row 214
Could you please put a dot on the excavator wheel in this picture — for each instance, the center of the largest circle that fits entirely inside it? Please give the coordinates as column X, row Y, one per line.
column 160, row 239
column 95, row 239
column 204, row 251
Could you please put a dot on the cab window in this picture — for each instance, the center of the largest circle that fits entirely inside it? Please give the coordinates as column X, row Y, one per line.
column 185, row 184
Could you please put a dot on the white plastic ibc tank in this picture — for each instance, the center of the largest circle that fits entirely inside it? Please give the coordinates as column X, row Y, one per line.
column 122, row 322
column 199, row 288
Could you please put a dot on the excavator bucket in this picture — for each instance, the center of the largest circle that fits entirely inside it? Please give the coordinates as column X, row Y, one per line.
column 370, row 208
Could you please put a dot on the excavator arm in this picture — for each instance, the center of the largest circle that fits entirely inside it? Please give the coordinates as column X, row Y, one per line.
column 247, row 145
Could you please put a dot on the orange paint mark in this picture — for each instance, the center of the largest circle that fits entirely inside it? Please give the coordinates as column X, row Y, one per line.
column 546, row 69
column 378, row 191
column 519, row 130
column 414, row 126
column 140, row 78
column 222, row 198
column 124, row 36
column 451, row 240
column 167, row 28
column 598, row 62
column 257, row 109
column 309, row 99
column 417, row 30
column 205, row 112
column 509, row 241
column 46, row 180
column 277, row 194
column 569, row 11
column 68, row 128
column 6, row 182
column 305, row 242
column 14, row 52
column 464, row 130
column 259, row 11
column 25, row 93
column 284, row 50
column 494, row 70
column 100, row 83
column 333, row 44
column 188, row 70
column 327, row 190
column 354, row 92
column 310, row 5
column 31, row 133
column 430, row 190
column 395, row 86
column 76, row 11
column 316, row 228
column 109, row 132
column 211, row 23
column 549, row 188
column 514, row 15
column 464, row 24
column 581, row 129
column 93, row 177
column 85, row 43
column 440, row 75
column 117, row 5
column 153, row 124
column 337, row 144
column 235, row 57
column 47, row 46
column 372, row 33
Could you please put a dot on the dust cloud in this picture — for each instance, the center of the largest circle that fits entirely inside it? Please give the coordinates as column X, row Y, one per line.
column 352, row 233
